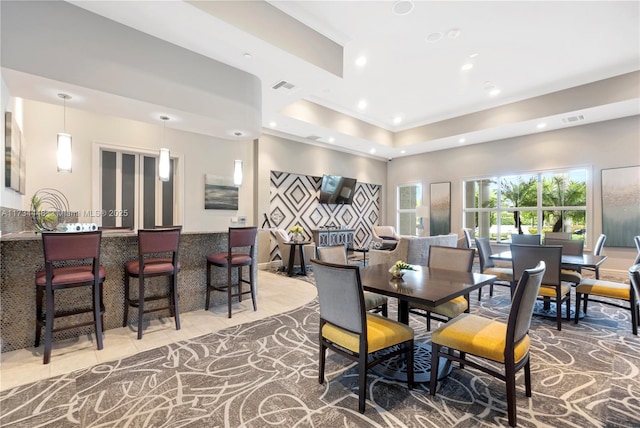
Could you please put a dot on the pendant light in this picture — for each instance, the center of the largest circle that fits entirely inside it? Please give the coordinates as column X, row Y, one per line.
column 164, row 165
column 237, row 165
column 64, row 141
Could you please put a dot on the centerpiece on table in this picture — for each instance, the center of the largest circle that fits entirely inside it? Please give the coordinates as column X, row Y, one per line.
column 296, row 233
column 399, row 269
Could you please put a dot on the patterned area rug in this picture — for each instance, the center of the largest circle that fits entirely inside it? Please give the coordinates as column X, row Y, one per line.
column 265, row 374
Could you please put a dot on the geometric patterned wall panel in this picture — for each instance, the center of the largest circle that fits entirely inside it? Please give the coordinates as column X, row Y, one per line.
column 293, row 199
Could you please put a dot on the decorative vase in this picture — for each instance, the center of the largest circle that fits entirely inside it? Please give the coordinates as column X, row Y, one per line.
column 396, row 273
column 297, row 237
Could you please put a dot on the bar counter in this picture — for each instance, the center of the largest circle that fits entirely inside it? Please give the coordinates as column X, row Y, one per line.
column 21, row 257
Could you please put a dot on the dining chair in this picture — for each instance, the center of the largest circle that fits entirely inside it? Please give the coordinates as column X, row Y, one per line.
column 527, row 256
column 240, row 253
column 449, row 258
column 613, row 292
column 557, row 235
column 505, row 343
column 597, row 251
column 572, row 247
column 533, row 239
column 157, row 256
column 71, row 260
column 338, row 255
column 349, row 330
column 504, row 275
column 636, row 239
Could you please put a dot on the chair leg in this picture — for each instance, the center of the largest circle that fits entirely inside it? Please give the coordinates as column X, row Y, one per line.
column 208, row 296
column 48, row 327
column 428, row 321
column 559, row 312
column 97, row 313
column 362, row 381
column 239, row 283
column 175, row 300
column 578, row 298
column 229, row 292
column 140, row 305
column 435, row 362
column 634, row 313
column 252, row 288
column 321, row 361
column 409, row 362
column 125, row 317
column 568, row 305
column 527, row 377
column 39, row 297
column 510, row 380
column 385, row 310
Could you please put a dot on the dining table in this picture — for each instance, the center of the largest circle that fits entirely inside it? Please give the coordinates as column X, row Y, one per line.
column 428, row 286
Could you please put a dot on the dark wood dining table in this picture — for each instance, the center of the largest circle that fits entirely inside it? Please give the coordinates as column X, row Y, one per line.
column 429, row 286
column 568, row 260
column 425, row 285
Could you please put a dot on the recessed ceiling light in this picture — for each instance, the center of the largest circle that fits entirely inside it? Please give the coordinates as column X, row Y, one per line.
column 462, row 140
column 454, row 33
column 403, row 152
column 397, row 120
column 372, row 151
column 273, row 124
column 541, row 125
column 491, row 88
column 362, row 104
column 402, row 7
column 433, row 37
column 247, row 55
column 466, row 66
column 474, row 55
column 361, row 61
column 331, row 139
column 493, row 92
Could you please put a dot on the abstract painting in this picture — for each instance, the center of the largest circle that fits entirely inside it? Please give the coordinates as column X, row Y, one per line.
column 219, row 195
column 621, row 205
column 440, row 221
column 14, row 157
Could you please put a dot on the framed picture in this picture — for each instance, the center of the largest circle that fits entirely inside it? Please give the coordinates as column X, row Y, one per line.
column 621, row 205
column 219, row 194
column 440, row 207
column 14, row 171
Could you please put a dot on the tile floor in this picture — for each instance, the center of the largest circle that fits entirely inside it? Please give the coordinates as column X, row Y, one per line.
column 277, row 294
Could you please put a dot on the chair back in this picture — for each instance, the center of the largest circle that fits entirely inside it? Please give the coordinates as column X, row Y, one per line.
column 528, row 256
column 467, row 237
column 242, row 236
column 340, row 295
column 58, row 246
column 336, row 254
column 484, row 251
column 516, row 238
column 636, row 239
column 523, row 302
column 451, row 258
column 165, row 240
column 557, row 235
column 385, row 232
column 572, row 247
column 597, row 249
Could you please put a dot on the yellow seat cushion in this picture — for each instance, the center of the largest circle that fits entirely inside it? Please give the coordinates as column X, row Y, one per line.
column 373, row 300
column 550, row 290
column 450, row 309
column 503, row 274
column 479, row 336
column 597, row 287
column 381, row 333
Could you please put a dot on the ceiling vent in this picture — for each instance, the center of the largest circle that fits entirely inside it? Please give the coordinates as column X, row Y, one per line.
column 284, row 86
column 573, row 119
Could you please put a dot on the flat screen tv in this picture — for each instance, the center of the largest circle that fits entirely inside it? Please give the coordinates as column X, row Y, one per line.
column 336, row 189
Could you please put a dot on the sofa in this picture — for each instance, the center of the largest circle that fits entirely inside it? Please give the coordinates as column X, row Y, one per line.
column 412, row 250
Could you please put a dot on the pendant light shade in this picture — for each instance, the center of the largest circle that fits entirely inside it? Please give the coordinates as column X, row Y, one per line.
column 237, row 172
column 64, row 141
column 164, row 164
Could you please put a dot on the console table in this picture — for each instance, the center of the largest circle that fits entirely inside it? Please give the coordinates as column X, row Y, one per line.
column 333, row 237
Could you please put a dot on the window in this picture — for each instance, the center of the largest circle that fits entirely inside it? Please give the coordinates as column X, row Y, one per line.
column 529, row 203
column 408, row 197
column 131, row 195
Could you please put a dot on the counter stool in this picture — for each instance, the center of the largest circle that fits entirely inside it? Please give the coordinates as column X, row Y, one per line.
column 66, row 265
column 157, row 256
column 239, row 238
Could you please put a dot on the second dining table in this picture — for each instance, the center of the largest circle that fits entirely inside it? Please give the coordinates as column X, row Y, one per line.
column 425, row 285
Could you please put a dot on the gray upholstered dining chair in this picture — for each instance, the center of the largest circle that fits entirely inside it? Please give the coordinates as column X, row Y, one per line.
column 527, row 256
column 533, row 239
column 597, row 251
column 572, row 247
column 338, row 255
column 349, row 330
column 557, row 235
column 487, row 266
column 449, row 258
column 487, row 339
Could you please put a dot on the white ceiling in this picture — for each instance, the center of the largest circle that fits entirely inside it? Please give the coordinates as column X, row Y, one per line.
column 524, row 48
